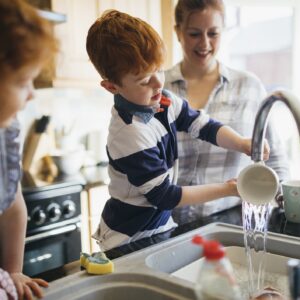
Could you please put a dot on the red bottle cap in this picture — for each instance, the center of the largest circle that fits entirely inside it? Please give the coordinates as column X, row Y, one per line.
column 198, row 240
column 213, row 250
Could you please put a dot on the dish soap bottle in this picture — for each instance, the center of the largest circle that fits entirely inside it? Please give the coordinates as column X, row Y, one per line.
column 215, row 278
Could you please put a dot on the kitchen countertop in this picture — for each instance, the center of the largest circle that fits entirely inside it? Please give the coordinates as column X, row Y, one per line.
column 87, row 177
column 187, row 222
column 277, row 224
column 95, row 176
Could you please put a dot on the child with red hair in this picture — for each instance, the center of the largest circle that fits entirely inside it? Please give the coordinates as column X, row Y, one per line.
column 26, row 42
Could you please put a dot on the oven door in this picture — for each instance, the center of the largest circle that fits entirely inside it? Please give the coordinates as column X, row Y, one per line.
column 52, row 248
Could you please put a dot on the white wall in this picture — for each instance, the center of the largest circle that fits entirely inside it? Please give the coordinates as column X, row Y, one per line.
column 82, row 110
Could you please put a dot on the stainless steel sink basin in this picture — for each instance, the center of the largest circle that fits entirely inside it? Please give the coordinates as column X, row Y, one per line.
column 118, row 286
column 147, row 274
column 183, row 252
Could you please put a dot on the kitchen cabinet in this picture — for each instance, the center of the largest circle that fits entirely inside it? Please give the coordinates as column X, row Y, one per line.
column 73, row 67
column 93, row 201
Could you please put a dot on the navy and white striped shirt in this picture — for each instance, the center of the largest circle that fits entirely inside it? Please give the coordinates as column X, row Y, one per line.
column 143, row 157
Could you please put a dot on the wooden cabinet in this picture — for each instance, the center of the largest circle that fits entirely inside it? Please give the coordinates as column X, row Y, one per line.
column 73, row 67
column 92, row 205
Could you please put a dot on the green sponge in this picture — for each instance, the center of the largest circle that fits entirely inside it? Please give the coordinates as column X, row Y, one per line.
column 97, row 263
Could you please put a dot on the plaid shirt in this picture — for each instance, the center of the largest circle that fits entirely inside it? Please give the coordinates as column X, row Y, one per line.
column 234, row 101
column 10, row 171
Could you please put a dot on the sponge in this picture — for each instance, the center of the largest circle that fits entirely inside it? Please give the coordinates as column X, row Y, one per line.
column 97, row 263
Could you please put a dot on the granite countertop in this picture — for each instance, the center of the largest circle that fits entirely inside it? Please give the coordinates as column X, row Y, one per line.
column 187, row 222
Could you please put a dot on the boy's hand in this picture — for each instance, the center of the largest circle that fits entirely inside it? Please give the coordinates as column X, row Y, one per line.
column 28, row 287
column 266, row 154
column 231, row 183
column 247, row 148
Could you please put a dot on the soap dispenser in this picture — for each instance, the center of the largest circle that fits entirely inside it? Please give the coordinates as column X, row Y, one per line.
column 215, row 279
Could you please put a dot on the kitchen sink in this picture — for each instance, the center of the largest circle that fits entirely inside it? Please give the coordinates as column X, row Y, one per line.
column 158, row 272
column 117, row 286
column 182, row 252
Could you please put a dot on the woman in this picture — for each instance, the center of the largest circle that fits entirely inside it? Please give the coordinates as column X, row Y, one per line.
column 26, row 41
column 228, row 95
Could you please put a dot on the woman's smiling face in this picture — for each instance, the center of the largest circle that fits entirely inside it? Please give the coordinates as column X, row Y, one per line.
column 200, row 36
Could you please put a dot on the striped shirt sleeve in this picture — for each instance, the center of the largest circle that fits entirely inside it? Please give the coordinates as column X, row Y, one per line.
column 145, row 165
column 195, row 122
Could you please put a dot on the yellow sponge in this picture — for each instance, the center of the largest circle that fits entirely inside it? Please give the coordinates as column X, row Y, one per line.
column 97, row 263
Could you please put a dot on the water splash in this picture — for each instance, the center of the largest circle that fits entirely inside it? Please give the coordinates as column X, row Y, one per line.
column 255, row 225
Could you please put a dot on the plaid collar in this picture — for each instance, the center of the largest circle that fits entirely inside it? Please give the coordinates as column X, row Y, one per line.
column 176, row 74
column 142, row 111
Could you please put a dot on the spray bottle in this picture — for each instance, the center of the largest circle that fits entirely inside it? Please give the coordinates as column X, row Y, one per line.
column 215, row 278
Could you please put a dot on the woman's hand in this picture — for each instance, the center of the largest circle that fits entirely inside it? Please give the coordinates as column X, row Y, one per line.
column 267, row 149
column 247, row 144
column 28, row 287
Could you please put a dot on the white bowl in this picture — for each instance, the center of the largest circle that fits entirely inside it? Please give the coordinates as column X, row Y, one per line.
column 69, row 163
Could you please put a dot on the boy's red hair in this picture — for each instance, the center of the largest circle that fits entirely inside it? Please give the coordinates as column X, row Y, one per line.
column 118, row 43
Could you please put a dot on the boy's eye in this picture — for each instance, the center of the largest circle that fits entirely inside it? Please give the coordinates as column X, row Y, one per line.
column 145, row 82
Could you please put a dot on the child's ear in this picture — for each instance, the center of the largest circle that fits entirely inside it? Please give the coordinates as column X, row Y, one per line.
column 108, row 85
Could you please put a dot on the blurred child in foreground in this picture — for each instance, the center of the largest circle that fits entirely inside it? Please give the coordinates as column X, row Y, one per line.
column 26, row 42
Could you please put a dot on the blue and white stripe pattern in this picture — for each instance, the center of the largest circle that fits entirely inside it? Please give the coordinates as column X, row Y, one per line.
column 142, row 168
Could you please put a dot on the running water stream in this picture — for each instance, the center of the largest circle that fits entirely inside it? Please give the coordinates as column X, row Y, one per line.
column 255, row 225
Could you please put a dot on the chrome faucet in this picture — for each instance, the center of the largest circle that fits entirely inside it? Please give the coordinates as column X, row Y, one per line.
column 261, row 119
column 258, row 136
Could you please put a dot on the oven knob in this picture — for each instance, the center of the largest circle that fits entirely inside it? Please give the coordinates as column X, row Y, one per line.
column 54, row 212
column 38, row 216
column 69, row 209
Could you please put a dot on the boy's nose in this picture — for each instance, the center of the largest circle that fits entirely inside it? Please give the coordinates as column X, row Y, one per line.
column 158, row 81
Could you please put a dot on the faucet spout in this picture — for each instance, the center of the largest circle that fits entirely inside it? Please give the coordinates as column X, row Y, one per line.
column 261, row 120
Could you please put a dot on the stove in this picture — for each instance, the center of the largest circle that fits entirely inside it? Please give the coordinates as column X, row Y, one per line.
column 53, row 236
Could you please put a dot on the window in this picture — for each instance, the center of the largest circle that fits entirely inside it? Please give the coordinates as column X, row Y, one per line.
column 263, row 36
column 260, row 39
